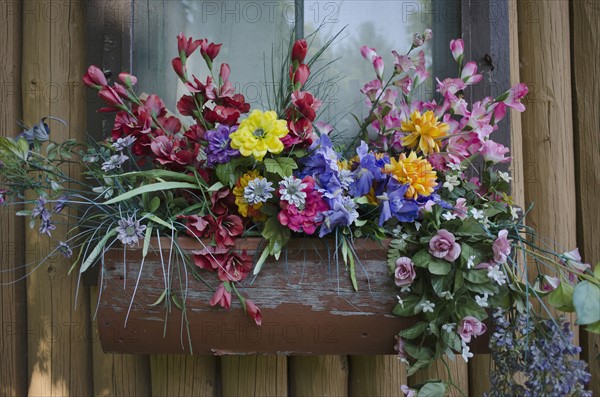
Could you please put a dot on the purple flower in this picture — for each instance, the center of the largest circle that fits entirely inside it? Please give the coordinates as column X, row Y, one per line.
column 61, row 203
column 65, row 249
column 501, row 247
column 470, row 327
column 405, row 271
column 322, row 165
column 130, row 231
column 444, row 246
column 367, row 172
column 219, row 150
column 46, row 226
column 393, row 203
column 343, row 214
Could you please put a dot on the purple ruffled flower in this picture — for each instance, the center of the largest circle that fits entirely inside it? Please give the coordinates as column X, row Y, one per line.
column 394, row 204
column 219, row 149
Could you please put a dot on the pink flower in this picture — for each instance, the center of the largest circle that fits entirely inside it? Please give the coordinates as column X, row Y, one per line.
column 408, row 392
column 127, row 79
column 501, row 247
column 513, row 97
column 484, row 265
column 451, row 86
column 460, row 208
column 186, row 46
column 418, row 40
column 550, row 283
column 494, row 152
column 303, row 220
column 457, row 47
column 300, row 76
column 573, row 259
column 306, row 104
column 405, row 271
column 94, row 78
column 469, row 74
column 470, row 327
column 378, row 66
column 444, row 246
column 253, row 311
column 2, row 195
column 111, row 97
column 368, row 53
column 402, row 63
column 405, row 84
column 399, row 346
column 209, row 50
column 221, row 297
column 372, row 89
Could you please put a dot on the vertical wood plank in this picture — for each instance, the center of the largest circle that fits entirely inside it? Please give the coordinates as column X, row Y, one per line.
column 183, row 375
column 13, row 340
column 585, row 17
column 376, row 376
column 459, row 375
column 481, row 364
column 53, row 63
column 319, row 376
column 117, row 374
column 254, row 375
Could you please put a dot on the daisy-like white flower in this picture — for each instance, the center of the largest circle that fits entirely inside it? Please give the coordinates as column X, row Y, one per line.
column 466, row 352
column 449, row 216
column 290, row 189
column 496, row 274
column 258, row 190
column 123, row 143
column 504, row 176
column 114, row 162
column 130, row 231
column 477, row 214
column 482, row 300
column 470, row 262
column 427, row 306
column 451, row 182
column 345, row 178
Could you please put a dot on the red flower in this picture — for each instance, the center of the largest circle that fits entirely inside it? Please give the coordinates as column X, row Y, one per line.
column 221, row 297
column 301, row 75
column 253, row 311
column 112, row 98
column 226, row 228
column 179, row 68
column 155, row 106
column 306, row 104
column 127, row 79
column 195, row 133
column 222, row 201
column 300, row 134
column 229, row 265
column 186, row 46
column 209, row 50
column 299, row 50
column 237, row 101
column 94, row 78
column 186, row 105
column 222, row 115
column 197, row 226
column 210, row 258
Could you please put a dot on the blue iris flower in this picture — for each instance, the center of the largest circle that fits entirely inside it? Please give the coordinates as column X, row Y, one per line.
column 368, row 171
column 343, row 213
column 394, row 204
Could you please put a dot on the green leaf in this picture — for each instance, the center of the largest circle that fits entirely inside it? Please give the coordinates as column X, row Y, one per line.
column 441, row 284
column 471, row 308
column 597, row 271
column 407, row 307
column 230, row 172
column 158, row 174
column 439, row 266
column 432, row 389
column 469, row 228
column 562, row 297
column 277, row 236
column 154, row 204
column 593, row 328
column 418, row 352
column 153, row 187
column 158, row 220
column 452, row 340
column 284, row 166
column 478, row 276
column 586, row 300
column 160, row 298
column 215, row 187
column 415, row 331
column 422, row 258
column 146, row 242
column 96, row 251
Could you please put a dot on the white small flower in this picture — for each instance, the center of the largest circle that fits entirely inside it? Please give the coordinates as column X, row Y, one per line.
column 396, row 231
column 123, row 143
column 477, row 214
column 455, row 166
column 258, row 191
column 504, row 176
column 447, row 295
column 400, row 301
column 496, row 274
column 114, row 162
column 417, row 225
column 482, row 300
column 470, row 262
column 514, row 212
column 405, row 288
column 486, row 222
column 449, row 327
column 451, row 182
column 291, row 191
column 427, row 306
column 466, row 352
column 449, row 216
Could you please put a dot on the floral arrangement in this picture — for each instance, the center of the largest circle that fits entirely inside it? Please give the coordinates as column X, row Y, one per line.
column 423, row 177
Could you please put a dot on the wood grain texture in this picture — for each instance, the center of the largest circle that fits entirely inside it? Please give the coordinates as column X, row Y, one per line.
column 117, row 374
column 315, row 376
column 53, row 64
column 254, row 375
column 585, row 31
column 13, row 341
column 182, row 376
column 376, row 376
column 459, row 375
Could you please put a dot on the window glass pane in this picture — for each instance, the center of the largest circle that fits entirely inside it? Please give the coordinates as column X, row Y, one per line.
column 385, row 25
column 249, row 31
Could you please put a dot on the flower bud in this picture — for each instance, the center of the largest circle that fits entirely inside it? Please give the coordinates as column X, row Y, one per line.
column 301, row 75
column 458, row 48
column 299, row 50
column 127, row 79
column 428, row 34
column 94, row 78
column 417, row 40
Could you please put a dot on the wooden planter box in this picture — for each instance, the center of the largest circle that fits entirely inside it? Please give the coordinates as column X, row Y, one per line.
column 306, row 298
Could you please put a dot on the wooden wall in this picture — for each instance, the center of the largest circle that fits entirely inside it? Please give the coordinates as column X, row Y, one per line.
column 48, row 343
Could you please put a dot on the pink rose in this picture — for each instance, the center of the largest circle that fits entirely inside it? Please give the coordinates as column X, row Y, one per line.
column 470, row 327
column 501, row 247
column 405, row 271
column 444, row 246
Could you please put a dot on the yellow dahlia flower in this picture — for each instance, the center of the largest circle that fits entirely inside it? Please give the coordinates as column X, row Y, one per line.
column 424, row 131
column 416, row 171
column 244, row 208
column 258, row 134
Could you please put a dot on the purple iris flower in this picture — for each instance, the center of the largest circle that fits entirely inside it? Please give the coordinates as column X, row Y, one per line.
column 367, row 172
column 394, row 204
column 343, row 214
column 219, row 150
column 322, row 165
